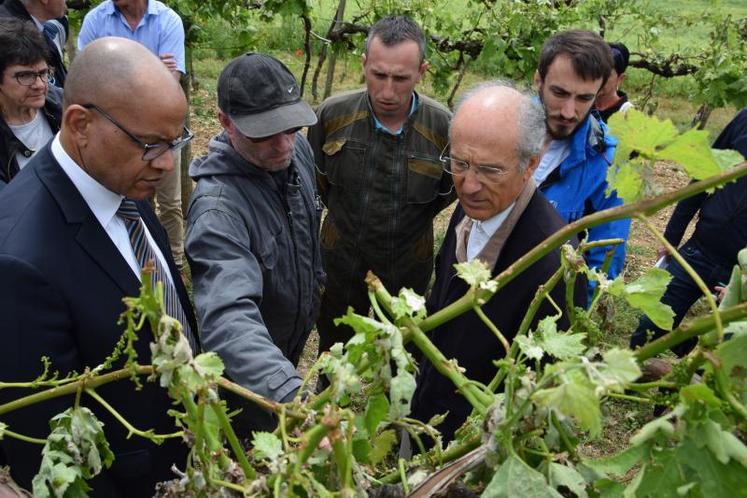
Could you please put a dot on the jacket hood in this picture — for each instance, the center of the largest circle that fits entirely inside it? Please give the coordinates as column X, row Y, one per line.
column 221, row 159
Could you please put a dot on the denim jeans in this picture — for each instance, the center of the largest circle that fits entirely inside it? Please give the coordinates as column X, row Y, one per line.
column 682, row 292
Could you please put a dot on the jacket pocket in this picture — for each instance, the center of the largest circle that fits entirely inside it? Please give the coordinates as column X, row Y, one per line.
column 423, row 178
column 345, row 162
column 268, row 252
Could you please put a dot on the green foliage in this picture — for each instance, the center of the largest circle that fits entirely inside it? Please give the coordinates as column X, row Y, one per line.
column 654, row 140
column 76, row 450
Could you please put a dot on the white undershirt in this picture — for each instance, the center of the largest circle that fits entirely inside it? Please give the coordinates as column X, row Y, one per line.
column 34, row 135
column 104, row 204
column 551, row 159
column 482, row 231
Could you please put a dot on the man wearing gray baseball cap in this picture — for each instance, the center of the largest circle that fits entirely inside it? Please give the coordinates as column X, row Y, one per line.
column 252, row 228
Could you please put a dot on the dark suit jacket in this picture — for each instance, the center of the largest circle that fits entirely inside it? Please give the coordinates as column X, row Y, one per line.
column 466, row 338
column 62, row 281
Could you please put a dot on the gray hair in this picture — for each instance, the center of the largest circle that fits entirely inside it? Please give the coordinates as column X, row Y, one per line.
column 393, row 30
column 532, row 125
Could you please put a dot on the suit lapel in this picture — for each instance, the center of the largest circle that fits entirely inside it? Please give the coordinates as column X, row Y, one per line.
column 90, row 235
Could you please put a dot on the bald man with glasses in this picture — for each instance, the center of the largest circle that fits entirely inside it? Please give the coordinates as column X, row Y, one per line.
column 75, row 233
column 496, row 138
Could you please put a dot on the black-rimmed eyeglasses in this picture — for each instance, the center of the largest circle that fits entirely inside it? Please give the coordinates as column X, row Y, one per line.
column 150, row 151
column 28, row 78
column 483, row 172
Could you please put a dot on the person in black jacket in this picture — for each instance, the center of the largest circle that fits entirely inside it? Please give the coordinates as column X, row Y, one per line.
column 610, row 98
column 496, row 137
column 30, row 108
column 720, row 232
column 49, row 18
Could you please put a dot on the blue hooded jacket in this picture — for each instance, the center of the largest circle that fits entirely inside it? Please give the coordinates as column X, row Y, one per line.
column 578, row 188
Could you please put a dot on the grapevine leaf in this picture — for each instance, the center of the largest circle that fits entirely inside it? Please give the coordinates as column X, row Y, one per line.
column 515, row 479
column 382, row 445
column 647, row 134
column 699, row 393
column 408, row 304
column 474, row 272
column 627, row 180
column 618, row 464
column 727, row 158
column 209, row 366
column 561, row 346
column 734, row 364
column 362, row 450
column 724, row 445
column 692, row 151
column 652, row 430
column 377, row 409
column 619, row 369
column 76, row 450
column 574, row 397
column 267, row 445
column 713, row 477
column 400, row 391
column 562, row 475
column 529, row 347
column 645, row 294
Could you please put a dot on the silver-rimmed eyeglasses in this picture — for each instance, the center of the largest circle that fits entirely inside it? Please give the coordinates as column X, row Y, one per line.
column 459, row 167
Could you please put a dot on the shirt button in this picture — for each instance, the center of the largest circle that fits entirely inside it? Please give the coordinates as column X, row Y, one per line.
column 27, row 153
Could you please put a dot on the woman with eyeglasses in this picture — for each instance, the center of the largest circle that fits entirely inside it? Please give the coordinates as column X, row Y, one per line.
column 30, row 108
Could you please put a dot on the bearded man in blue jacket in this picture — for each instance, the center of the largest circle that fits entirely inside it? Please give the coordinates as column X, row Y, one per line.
column 573, row 67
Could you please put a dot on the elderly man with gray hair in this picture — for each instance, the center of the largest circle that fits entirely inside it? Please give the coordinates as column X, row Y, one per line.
column 495, row 141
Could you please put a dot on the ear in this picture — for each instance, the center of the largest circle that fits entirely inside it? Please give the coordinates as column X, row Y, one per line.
column 363, row 59
column 422, row 69
column 620, row 79
column 531, row 167
column 225, row 121
column 77, row 121
column 537, row 81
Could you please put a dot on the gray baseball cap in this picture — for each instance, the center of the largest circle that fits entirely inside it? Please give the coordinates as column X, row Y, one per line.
column 261, row 96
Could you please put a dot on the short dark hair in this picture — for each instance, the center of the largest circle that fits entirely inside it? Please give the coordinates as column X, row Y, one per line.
column 22, row 44
column 589, row 53
column 396, row 29
column 620, row 56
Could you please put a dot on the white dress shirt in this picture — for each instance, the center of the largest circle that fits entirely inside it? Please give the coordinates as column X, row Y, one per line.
column 482, row 231
column 104, row 204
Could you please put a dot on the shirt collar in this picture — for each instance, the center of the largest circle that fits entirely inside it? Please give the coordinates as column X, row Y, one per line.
column 103, row 202
column 38, row 23
column 492, row 224
column 413, row 108
column 111, row 9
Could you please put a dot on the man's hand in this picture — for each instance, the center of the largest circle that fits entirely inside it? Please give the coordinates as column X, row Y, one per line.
column 662, row 252
column 170, row 62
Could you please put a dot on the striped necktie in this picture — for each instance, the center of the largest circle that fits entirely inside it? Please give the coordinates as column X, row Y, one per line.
column 144, row 253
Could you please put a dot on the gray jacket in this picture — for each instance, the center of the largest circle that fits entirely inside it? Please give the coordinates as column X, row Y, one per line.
column 256, row 268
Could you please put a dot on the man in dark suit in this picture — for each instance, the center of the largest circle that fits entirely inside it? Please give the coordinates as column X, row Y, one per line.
column 496, row 138
column 67, row 261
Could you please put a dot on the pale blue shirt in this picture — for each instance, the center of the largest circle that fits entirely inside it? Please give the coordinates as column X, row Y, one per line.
column 413, row 108
column 482, row 231
column 555, row 154
column 160, row 29
column 104, row 204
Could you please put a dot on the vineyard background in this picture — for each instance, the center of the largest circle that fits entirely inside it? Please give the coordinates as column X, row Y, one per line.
column 676, row 37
